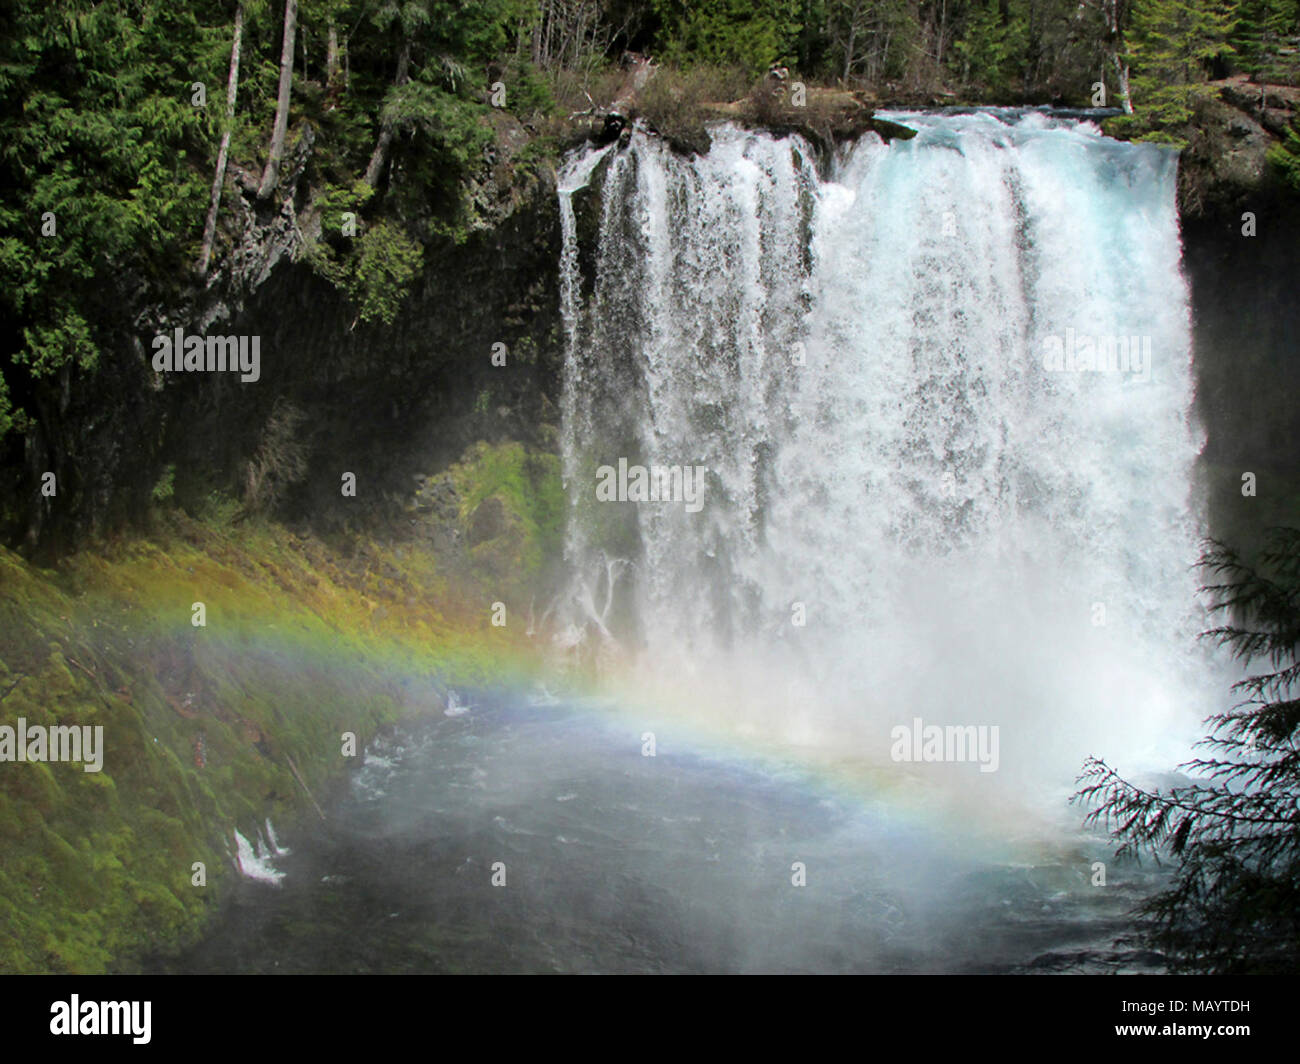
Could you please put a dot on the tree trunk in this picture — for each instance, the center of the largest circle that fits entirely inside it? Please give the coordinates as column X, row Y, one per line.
column 335, row 79
column 882, row 57
column 1111, row 9
column 272, row 172
column 219, row 180
column 943, row 26
column 380, row 154
column 332, row 56
column 1121, row 70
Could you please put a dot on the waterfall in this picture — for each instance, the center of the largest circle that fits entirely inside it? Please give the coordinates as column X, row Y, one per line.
column 940, row 393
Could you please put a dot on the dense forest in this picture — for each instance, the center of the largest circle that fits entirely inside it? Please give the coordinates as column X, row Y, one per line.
column 128, row 127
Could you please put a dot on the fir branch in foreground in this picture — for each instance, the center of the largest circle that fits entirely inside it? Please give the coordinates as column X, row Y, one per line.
column 1234, row 832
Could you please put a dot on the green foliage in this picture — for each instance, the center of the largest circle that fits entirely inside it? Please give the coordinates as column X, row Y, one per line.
column 1235, row 903
column 750, row 34
column 473, row 32
column 528, row 486
column 992, row 44
column 450, row 123
column 48, row 348
column 166, row 485
column 96, row 132
column 1284, row 157
column 387, row 262
column 9, row 417
column 528, row 92
column 99, row 138
column 1176, row 46
column 1264, row 39
column 106, row 165
column 337, row 201
column 376, row 274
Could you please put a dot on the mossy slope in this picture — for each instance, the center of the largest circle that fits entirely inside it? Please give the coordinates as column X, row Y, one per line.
column 212, row 728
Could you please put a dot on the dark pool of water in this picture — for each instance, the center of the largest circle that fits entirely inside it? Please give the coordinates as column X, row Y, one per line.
column 615, row 862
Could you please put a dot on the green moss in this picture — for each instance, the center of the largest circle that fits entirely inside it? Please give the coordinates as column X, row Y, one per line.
column 11, row 825
column 302, row 644
column 527, row 482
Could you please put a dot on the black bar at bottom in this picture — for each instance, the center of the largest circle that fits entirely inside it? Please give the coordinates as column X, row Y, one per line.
column 265, row 1014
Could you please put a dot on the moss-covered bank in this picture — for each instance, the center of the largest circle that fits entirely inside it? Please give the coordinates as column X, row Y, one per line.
column 213, row 728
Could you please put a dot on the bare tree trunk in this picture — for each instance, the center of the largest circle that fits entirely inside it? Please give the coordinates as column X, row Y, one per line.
column 579, row 34
column 882, row 57
column 335, row 74
column 219, row 180
column 272, row 172
column 550, row 35
column 380, row 154
column 1121, row 70
column 1115, row 39
column 943, row 27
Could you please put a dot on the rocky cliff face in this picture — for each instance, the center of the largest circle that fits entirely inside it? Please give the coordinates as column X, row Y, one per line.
column 1246, row 320
column 472, row 356
column 1241, row 228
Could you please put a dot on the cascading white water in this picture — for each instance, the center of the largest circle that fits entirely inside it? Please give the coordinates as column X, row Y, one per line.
column 972, row 533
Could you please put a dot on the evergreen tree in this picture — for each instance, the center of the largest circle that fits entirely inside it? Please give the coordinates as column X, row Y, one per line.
column 98, row 127
column 1176, row 46
column 1285, row 156
column 1265, row 38
column 992, row 44
column 752, row 34
column 1235, row 832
